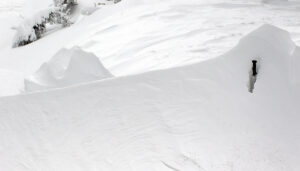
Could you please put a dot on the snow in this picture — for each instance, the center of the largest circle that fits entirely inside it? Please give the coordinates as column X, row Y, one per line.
column 32, row 7
column 134, row 38
column 196, row 117
column 180, row 97
column 11, row 82
column 66, row 68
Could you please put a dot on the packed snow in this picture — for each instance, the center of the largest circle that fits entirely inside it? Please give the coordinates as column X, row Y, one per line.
column 66, row 68
column 183, row 96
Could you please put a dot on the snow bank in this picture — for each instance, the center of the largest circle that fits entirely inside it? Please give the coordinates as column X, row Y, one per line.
column 66, row 68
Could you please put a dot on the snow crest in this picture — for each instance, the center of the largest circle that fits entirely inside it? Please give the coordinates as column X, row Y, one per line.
column 66, row 68
column 275, row 52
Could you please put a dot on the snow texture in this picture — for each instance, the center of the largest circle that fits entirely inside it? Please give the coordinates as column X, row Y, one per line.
column 66, row 68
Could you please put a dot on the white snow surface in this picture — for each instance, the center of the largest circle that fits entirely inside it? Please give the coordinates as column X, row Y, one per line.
column 31, row 7
column 193, row 118
column 66, row 68
column 11, row 82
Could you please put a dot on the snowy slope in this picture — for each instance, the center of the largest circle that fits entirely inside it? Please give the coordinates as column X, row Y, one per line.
column 137, row 36
column 192, row 118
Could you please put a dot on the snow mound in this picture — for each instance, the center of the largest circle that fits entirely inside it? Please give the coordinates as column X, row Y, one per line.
column 66, row 68
column 275, row 52
column 274, row 37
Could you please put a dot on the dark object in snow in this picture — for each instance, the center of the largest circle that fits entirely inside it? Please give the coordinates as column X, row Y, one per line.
column 254, row 70
column 252, row 76
column 39, row 30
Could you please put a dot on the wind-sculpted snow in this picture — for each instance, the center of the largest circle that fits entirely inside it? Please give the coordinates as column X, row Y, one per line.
column 67, row 67
column 192, row 118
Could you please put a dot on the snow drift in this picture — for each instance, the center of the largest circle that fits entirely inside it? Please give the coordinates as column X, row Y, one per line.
column 66, row 68
column 192, row 118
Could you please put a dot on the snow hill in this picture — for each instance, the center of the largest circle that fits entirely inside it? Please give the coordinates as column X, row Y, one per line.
column 67, row 67
column 192, row 118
